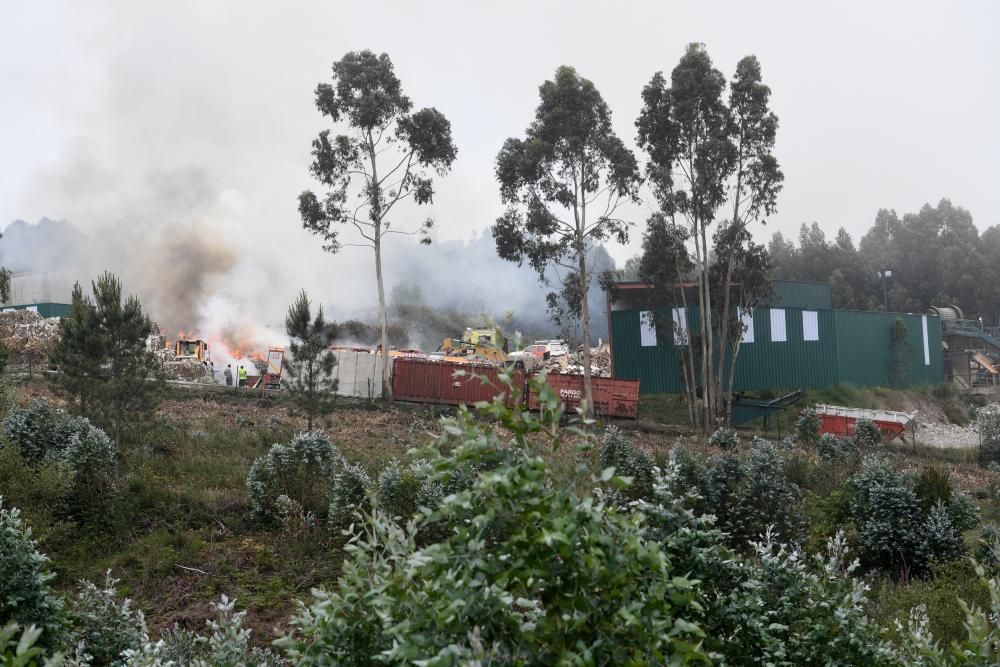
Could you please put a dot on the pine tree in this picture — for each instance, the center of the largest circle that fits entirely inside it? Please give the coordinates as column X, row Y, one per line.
column 80, row 351
column 127, row 397
column 309, row 363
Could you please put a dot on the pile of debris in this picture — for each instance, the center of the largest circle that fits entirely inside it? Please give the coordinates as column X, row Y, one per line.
column 156, row 342
column 187, row 370
column 572, row 364
column 28, row 337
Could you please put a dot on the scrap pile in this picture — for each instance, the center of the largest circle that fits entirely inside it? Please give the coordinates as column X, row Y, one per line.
column 572, row 364
column 28, row 337
column 186, row 369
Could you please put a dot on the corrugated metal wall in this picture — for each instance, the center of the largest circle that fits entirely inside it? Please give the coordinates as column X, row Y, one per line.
column 795, row 294
column 31, row 288
column 794, row 363
column 868, row 363
column 853, row 347
column 359, row 374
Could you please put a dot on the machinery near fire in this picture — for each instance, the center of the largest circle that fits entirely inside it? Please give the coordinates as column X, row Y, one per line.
column 192, row 349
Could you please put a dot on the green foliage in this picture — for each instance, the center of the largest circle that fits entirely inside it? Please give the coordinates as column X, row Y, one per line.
column 3, row 358
column 39, row 490
column 724, row 438
column 629, row 463
column 309, row 364
column 933, row 485
column 33, row 429
column 569, row 164
column 900, row 351
column 389, row 153
column 351, row 486
column 52, row 444
column 832, row 449
column 20, row 650
column 80, row 351
column 905, row 525
column 303, row 470
column 104, row 362
column 105, row 625
column 402, row 490
column 867, row 435
column 25, row 595
column 940, row 596
column 807, row 428
column 988, row 419
column 565, row 580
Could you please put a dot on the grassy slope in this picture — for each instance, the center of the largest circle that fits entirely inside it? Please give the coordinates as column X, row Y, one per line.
column 183, row 534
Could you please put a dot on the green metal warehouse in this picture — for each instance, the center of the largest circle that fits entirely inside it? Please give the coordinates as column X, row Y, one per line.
column 797, row 342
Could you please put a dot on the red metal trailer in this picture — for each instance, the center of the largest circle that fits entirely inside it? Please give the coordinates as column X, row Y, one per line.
column 612, row 397
column 840, row 421
column 427, row 381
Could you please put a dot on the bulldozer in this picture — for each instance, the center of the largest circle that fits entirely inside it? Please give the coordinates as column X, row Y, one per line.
column 187, row 349
column 488, row 343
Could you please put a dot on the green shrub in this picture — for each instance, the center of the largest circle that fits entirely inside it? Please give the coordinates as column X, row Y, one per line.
column 896, row 533
column 33, row 429
column 807, row 428
column 933, row 485
column 105, row 625
column 351, row 485
column 90, row 455
column 40, row 491
column 832, row 449
column 25, row 595
column 303, row 470
column 566, row 581
column 724, row 438
column 629, row 462
column 402, row 490
column 988, row 419
column 18, row 649
column 867, row 435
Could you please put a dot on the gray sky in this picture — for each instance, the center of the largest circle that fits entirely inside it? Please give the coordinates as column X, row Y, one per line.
column 140, row 119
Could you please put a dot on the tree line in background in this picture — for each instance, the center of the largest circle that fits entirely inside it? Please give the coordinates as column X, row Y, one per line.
column 936, row 257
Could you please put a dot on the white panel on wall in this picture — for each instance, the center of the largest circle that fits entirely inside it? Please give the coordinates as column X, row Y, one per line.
column 778, row 326
column 680, row 327
column 747, row 318
column 810, row 325
column 647, row 329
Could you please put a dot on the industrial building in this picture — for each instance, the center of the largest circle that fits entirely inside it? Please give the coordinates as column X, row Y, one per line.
column 799, row 341
column 48, row 294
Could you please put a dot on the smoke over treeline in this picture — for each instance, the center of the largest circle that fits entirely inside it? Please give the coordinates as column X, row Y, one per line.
column 192, row 277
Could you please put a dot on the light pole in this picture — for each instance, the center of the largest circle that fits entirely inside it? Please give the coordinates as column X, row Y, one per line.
column 885, row 273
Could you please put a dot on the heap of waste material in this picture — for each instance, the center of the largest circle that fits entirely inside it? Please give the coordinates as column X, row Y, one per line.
column 572, row 364
column 27, row 335
column 187, row 370
column 156, row 342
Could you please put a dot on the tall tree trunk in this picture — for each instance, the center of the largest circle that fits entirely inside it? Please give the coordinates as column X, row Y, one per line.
column 383, row 323
column 727, row 286
column 710, row 389
column 588, row 390
column 376, row 206
column 702, row 326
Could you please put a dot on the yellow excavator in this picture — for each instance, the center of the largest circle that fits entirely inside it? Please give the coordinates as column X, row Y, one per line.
column 487, row 343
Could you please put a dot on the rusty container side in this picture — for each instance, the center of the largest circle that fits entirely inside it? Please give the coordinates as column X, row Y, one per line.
column 424, row 381
column 613, row 397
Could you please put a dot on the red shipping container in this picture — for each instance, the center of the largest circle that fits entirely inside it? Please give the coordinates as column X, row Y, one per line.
column 425, row 381
column 612, row 397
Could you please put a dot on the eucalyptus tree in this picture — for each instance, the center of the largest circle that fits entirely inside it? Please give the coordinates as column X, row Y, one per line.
column 387, row 155
column 563, row 184
column 704, row 153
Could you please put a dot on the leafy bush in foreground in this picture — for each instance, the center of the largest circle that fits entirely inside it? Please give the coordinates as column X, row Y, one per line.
column 33, row 429
column 25, row 596
column 629, row 462
column 105, row 625
column 564, row 581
